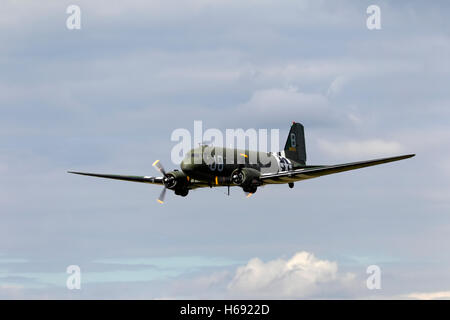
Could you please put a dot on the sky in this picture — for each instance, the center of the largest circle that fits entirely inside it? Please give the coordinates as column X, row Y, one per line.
column 107, row 97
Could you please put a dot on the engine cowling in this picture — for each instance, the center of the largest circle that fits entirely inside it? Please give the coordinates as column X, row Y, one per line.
column 175, row 179
column 245, row 176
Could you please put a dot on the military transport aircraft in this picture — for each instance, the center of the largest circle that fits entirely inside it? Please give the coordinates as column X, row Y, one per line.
column 208, row 166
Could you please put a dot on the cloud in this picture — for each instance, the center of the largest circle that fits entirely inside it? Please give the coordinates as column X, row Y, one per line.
column 439, row 295
column 363, row 148
column 337, row 85
column 303, row 275
column 276, row 105
column 283, row 100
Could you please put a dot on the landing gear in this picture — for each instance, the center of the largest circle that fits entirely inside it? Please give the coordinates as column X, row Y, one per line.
column 182, row 192
column 291, row 185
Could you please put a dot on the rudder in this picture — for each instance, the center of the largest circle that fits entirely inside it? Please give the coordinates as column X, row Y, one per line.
column 295, row 148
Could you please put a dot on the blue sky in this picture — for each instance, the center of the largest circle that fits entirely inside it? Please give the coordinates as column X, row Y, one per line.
column 106, row 98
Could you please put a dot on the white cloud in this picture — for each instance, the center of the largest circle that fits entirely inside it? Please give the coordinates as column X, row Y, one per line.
column 430, row 295
column 10, row 286
column 337, row 85
column 363, row 148
column 303, row 275
column 280, row 104
column 284, row 100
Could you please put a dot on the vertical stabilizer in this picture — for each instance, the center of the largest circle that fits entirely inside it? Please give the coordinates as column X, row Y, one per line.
column 295, row 145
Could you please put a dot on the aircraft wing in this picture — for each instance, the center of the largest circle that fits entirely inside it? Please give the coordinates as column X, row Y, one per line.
column 314, row 172
column 143, row 179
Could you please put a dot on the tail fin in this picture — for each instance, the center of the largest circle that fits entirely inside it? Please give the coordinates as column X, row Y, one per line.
column 295, row 145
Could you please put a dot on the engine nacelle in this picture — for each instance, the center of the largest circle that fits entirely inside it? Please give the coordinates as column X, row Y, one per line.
column 175, row 179
column 245, row 176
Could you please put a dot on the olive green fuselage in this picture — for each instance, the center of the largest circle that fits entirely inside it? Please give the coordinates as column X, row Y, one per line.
column 215, row 165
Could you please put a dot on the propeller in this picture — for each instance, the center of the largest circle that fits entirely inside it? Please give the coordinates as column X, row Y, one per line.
column 162, row 196
column 158, row 166
column 168, row 180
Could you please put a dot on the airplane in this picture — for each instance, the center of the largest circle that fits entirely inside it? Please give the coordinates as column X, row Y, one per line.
column 209, row 166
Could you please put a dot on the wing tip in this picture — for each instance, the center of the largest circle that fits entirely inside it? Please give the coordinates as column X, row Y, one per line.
column 75, row 172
